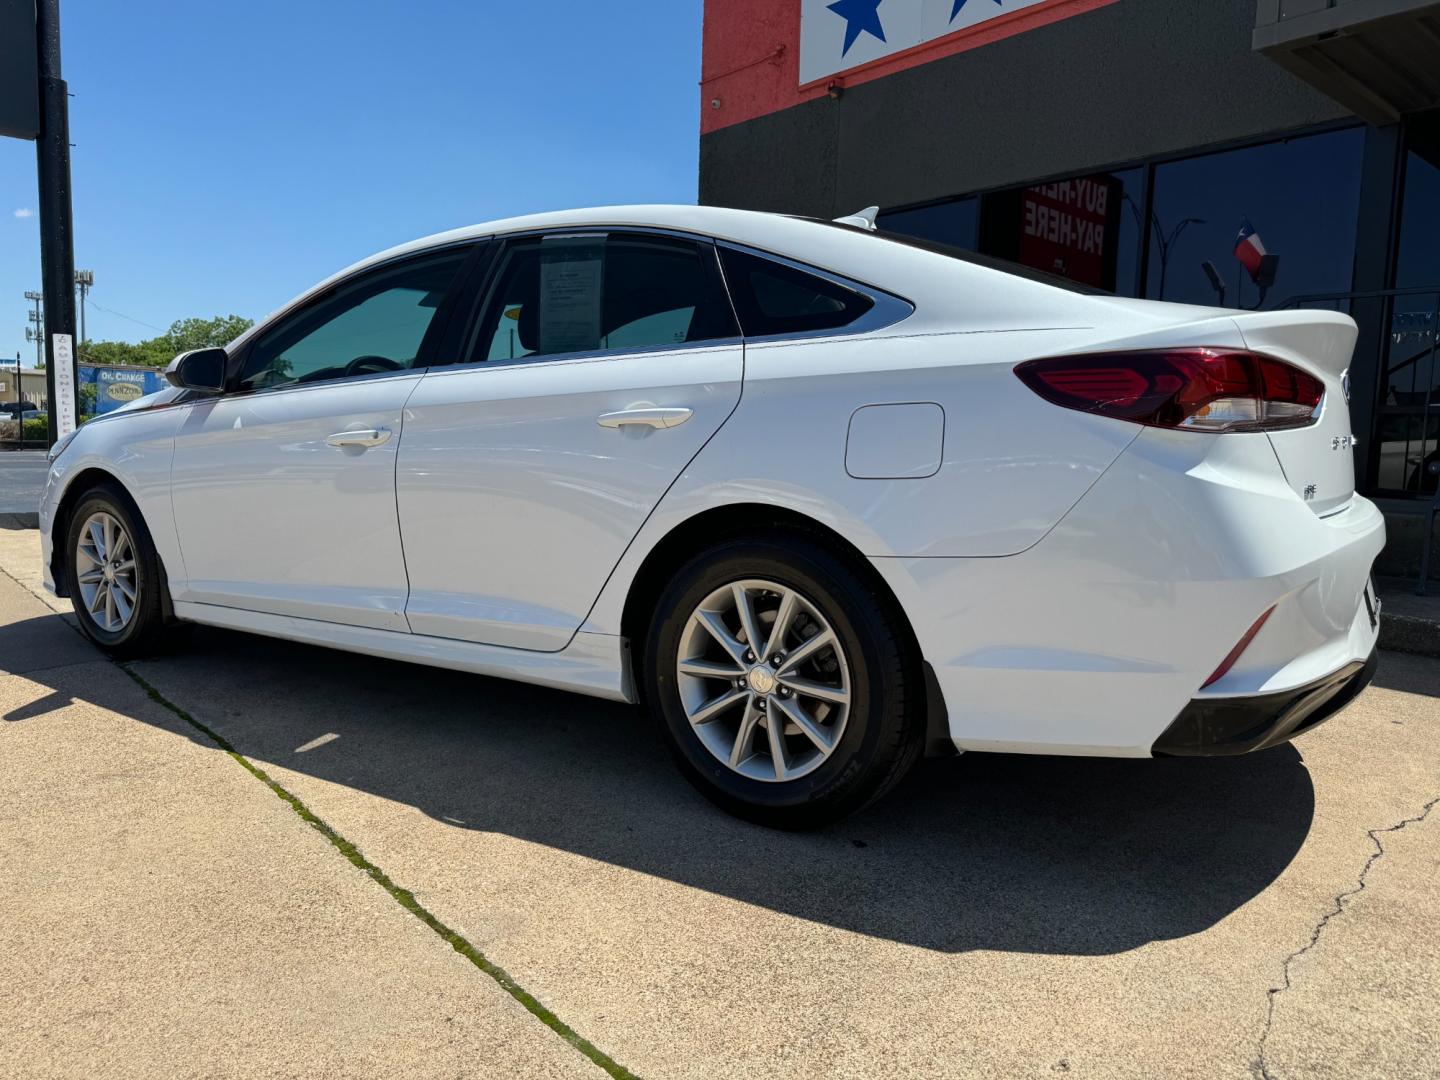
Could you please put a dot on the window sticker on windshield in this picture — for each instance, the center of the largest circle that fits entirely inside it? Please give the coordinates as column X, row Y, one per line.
column 572, row 279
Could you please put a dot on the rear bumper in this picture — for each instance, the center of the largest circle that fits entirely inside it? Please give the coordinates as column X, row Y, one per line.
column 1093, row 641
column 1227, row 726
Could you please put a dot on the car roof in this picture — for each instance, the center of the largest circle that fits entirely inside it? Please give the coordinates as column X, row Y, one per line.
column 754, row 228
column 928, row 279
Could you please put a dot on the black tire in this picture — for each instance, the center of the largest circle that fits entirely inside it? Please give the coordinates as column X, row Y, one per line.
column 145, row 632
column 884, row 733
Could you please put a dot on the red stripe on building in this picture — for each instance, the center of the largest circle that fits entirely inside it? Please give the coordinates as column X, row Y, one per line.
column 751, row 63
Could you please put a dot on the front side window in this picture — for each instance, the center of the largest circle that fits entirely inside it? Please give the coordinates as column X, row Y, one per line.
column 373, row 325
column 594, row 293
column 774, row 298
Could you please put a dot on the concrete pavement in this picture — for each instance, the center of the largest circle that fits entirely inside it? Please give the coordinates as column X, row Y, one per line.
column 164, row 914
column 1267, row 916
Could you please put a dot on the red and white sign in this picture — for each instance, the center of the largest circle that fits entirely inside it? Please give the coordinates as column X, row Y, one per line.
column 837, row 35
column 1069, row 229
column 762, row 56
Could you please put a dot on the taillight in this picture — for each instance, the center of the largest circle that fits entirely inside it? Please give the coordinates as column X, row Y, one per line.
column 1194, row 389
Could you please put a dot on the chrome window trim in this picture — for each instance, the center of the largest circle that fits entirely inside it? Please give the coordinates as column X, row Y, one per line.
column 344, row 380
column 441, row 370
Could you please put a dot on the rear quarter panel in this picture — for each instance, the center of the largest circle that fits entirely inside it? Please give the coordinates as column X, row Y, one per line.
column 1011, row 464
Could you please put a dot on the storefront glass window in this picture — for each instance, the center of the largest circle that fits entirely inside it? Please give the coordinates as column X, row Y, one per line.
column 1252, row 228
column 952, row 223
column 1406, row 427
column 1419, row 263
column 1086, row 229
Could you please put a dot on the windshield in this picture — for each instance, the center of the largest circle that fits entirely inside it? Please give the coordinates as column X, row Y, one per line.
column 1005, row 266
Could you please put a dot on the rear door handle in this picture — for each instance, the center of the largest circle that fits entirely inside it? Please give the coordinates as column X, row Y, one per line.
column 370, row 437
column 652, row 418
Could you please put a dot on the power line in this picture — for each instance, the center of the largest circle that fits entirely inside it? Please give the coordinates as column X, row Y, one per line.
column 128, row 318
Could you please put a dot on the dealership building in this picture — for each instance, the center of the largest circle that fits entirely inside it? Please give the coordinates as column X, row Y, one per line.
column 1253, row 154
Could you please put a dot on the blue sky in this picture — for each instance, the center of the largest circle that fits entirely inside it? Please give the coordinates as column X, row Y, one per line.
column 229, row 155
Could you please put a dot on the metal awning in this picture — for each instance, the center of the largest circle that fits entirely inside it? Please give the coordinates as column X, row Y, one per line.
column 1378, row 58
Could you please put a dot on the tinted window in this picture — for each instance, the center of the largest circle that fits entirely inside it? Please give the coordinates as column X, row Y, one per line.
column 773, row 298
column 574, row 294
column 376, row 324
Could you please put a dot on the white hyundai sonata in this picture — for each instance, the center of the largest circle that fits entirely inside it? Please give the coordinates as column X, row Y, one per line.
column 824, row 499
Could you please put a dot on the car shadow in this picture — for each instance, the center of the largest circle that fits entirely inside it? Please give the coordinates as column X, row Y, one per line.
column 1020, row 854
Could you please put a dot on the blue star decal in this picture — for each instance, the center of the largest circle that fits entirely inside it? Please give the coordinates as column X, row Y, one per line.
column 861, row 16
column 960, row 6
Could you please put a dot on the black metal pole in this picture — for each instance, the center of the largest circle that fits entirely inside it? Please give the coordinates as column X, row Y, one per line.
column 52, row 152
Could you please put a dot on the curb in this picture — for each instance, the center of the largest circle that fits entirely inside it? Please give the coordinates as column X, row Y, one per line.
column 29, row 520
column 1409, row 634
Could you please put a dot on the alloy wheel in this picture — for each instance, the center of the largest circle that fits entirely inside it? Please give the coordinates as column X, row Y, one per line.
column 106, row 571
column 764, row 680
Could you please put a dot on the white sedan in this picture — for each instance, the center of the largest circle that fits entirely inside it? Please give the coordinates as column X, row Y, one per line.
column 824, row 499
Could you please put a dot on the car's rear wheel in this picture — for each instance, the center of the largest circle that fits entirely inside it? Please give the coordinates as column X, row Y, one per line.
column 115, row 581
column 785, row 681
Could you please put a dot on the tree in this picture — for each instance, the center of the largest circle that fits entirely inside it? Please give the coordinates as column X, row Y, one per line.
column 186, row 334
column 183, row 335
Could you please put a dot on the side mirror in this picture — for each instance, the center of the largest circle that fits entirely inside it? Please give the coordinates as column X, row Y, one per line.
column 199, row 369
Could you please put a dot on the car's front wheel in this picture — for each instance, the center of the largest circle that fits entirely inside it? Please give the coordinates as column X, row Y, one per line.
column 114, row 575
column 785, row 682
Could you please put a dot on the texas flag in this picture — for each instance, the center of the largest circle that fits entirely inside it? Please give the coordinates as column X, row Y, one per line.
column 1249, row 249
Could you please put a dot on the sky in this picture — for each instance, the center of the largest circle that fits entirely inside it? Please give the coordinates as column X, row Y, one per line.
column 228, row 156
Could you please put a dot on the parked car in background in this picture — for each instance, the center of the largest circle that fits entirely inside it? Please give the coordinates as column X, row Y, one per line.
column 14, row 415
column 20, row 410
column 823, row 498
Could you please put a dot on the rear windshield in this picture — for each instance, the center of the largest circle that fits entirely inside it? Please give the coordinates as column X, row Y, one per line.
column 1005, row 266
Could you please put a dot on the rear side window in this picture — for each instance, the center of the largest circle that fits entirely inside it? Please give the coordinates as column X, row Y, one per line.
column 773, row 298
column 561, row 295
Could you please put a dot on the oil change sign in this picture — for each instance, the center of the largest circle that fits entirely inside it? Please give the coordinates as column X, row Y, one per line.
column 115, row 387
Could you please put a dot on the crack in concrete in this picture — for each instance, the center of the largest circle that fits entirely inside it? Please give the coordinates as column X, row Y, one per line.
column 404, row 897
column 1260, row 1068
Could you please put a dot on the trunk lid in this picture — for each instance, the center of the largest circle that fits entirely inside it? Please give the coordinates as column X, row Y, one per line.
column 1319, row 460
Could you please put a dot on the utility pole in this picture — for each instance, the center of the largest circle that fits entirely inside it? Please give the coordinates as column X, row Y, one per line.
column 57, row 253
column 84, row 281
column 36, row 331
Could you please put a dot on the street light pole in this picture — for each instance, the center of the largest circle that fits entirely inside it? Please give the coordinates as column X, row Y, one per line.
column 1166, row 244
column 52, row 156
column 1163, row 242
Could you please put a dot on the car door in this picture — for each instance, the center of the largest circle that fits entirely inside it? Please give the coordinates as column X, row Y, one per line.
column 284, row 487
column 598, row 367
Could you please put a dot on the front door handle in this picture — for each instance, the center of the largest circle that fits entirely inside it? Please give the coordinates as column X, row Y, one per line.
column 651, row 418
column 370, row 437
